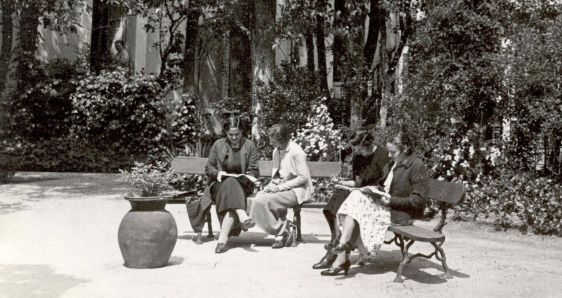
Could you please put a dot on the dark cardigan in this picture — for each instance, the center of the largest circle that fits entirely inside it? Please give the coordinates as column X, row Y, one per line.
column 408, row 190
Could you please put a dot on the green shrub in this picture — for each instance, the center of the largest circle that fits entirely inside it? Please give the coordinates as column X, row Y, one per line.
column 132, row 114
column 43, row 111
column 516, row 200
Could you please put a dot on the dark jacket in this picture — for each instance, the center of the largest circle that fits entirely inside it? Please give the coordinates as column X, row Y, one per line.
column 372, row 171
column 220, row 152
column 408, row 190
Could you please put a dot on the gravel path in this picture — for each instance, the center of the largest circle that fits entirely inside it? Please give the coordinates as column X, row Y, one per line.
column 58, row 238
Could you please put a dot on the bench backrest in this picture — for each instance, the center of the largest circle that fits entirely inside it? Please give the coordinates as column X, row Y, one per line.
column 196, row 165
column 446, row 192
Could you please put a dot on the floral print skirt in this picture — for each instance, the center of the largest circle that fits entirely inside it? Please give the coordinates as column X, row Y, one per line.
column 372, row 217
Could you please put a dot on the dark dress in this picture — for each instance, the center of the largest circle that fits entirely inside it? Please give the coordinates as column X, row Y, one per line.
column 369, row 169
column 230, row 193
column 225, row 194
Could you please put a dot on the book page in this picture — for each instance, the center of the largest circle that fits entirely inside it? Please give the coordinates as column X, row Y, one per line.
column 251, row 178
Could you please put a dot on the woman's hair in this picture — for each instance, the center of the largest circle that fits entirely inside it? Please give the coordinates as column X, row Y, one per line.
column 362, row 138
column 279, row 132
column 404, row 139
column 232, row 122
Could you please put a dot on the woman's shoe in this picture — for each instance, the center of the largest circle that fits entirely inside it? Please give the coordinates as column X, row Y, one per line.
column 347, row 247
column 221, row 247
column 247, row 224
column 336, row 271
column 365, row 258
column 288, row 237
column 326, row 262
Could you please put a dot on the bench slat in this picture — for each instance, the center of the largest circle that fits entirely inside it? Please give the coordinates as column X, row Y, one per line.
column 196, row 165
column 317, row 169
column 417, row 233
column 189, row 165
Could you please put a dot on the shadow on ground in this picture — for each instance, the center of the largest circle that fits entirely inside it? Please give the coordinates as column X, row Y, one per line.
column 34, row 281
column 388, row 261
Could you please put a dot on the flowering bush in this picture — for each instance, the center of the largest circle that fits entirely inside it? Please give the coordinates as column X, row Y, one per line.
column 463, row 158
column 147, row 180
column 318, row 137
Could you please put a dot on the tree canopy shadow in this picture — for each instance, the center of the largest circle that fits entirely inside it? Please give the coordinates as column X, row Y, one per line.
column 34, row 281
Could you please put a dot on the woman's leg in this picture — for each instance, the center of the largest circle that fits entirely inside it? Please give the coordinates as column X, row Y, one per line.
column 227, row 224
column 348, row 226
column 242, row 215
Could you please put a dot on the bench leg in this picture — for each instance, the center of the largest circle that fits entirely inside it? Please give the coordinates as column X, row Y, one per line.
column 209, row 225
column 297, row 222
column 405, row 257
column 441, row 257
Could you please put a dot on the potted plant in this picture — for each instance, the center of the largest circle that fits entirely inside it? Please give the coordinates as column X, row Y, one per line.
column 147, row 233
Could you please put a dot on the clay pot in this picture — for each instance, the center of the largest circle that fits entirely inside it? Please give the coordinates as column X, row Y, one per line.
column 147, row 233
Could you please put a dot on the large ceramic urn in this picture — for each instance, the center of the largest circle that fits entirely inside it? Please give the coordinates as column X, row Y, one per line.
column 147, row 233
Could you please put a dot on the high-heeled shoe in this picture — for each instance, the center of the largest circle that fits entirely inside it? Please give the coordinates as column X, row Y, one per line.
column 221, row 247
column 336, row 271
column 326, row 262
column 365, row 258
column 288, row 237
column 247, row 224
column 347, row 247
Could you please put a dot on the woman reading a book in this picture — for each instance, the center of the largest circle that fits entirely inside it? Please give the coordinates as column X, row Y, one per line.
column 290, row 186
column 371, row 209
column 367, row 163
column 231, row 168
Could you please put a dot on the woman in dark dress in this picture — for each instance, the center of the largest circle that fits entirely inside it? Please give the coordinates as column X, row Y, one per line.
column 229, row 156
column 367, row 168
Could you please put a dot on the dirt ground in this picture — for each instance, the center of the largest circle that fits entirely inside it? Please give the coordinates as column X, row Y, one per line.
column 58, row 238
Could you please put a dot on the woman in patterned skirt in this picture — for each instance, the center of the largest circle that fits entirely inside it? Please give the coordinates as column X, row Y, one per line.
column 404, row 196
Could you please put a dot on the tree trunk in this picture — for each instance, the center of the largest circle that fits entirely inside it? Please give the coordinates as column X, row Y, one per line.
column 191, row 35
column 263, row 55
column 373, row 34
column 5, row 55
column 240, row 72
column 28, row 38
column 309, row 44
column 7, row 34
column 321, row 50
column 100, row 36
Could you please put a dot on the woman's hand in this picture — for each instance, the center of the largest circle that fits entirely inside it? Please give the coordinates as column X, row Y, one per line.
column 271, row 188
column 348, row 183
column 220, row 174
column 385, row 200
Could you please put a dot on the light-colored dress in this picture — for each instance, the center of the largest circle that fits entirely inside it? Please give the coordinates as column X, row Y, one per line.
column 372, row 217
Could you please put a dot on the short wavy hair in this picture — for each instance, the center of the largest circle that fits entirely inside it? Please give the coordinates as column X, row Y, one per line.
column 280, row 132
column 403, row 138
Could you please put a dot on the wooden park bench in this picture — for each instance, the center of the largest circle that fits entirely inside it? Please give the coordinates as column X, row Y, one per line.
column 446, row 194
column 196, row 166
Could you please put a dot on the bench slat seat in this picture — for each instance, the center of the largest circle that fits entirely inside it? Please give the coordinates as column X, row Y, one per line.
column 446, row 194
column 417, row 233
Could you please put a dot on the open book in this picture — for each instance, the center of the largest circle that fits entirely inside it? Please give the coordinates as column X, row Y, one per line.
column 365, row 189
column 251, row 178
